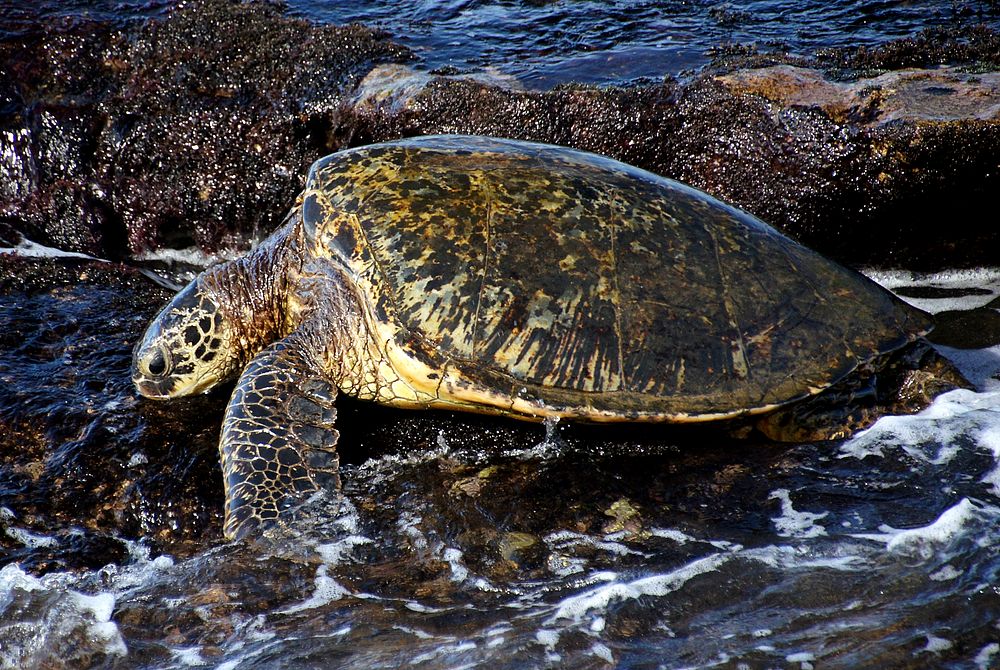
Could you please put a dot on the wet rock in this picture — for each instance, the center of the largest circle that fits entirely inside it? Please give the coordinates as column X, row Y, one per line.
column 521, row 549
column 976, row 47
column 938, row 292
column 191, row 130
column 945, row 94
column 625, row 518
column 967, row 329
column 78, row 449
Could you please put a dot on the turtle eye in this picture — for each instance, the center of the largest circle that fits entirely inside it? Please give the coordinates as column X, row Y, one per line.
column 156, row 363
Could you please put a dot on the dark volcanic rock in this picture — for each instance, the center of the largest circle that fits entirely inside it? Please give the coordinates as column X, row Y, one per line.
column 83, row 460
column 196, row 129
column 976, row 47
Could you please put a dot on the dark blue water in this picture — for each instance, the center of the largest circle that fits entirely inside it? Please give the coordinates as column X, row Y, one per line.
column 591, row 41
column 27, row 17
column 608, row 41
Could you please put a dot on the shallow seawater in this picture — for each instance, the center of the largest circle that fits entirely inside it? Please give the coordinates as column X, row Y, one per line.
column 543, row 43
column 466, row 542
column 548, row 42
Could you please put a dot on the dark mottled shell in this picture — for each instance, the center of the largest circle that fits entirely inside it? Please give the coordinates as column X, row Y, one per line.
column 573, row 280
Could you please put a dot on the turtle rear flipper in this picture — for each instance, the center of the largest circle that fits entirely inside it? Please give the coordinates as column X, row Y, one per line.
column 278, row 443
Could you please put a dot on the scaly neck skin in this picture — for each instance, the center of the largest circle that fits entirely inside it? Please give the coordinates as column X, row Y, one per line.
column 252, row 291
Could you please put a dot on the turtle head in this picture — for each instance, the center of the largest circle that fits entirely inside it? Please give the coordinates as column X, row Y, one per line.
column 188, row 348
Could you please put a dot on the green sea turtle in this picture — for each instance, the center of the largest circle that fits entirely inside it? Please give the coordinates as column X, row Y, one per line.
column 503, row 277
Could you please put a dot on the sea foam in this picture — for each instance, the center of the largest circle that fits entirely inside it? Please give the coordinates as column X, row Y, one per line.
column 53, row 623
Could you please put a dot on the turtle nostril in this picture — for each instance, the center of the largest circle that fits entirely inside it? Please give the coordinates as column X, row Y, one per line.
column 156, row 363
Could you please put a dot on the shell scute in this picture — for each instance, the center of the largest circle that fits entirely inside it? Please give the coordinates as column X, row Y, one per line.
column 517, row 275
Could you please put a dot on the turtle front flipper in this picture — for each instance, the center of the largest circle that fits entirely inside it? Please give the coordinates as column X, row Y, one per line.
column 278, row 442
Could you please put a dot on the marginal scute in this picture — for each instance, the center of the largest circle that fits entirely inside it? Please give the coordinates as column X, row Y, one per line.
column 510, row 277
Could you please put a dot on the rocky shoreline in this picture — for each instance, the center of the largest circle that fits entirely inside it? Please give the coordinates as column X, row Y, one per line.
column 196, row 131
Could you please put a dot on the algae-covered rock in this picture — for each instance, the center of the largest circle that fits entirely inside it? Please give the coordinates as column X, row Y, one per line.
column 194, row 129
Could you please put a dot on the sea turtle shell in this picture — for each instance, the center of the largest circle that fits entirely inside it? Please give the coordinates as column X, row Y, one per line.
column 543, row 281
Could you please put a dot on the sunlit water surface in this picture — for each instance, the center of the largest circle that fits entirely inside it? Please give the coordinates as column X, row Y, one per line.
column 548, row 42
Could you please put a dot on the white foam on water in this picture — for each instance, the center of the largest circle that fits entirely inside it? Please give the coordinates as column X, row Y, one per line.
column 792, row 523
column 189, row 656
column 453, row 557
column 602, row 652
column 984, row 659
column 564, row 566
column 933, row 436
column 989, row 439
column 980, row 366
column 597, row 599
column 945, row 574
column 346, row 525
column 138, row 458
column 943, row 530
column 29, row 539
column 803, row 658
column 924, row 541
column 32, row 249
column 189, row 256
column 446, row 650
column 67, row 622
column 334, row 553
column 677, row 536
column 787, row 558
column 935, row 645
column 385, row 468
column 408, row 525
column 497, row 635
column 565, row 539
column 978, row 278
column 415, row 632
column 327, row 590
column 547, row 638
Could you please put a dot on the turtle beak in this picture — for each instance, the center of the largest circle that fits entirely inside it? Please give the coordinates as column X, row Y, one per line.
column 152, row 389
